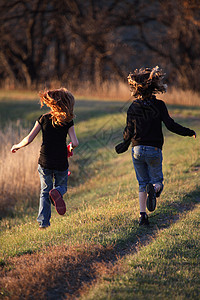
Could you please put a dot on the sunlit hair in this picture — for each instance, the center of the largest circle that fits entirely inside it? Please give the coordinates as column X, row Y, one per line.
column 146, row 82
column 61, row 102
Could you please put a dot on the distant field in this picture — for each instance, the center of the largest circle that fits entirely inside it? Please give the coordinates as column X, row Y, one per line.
column 97, row 250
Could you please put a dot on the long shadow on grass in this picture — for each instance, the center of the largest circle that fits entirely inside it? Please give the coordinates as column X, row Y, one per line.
column 166, row 214
column 61, row 272
column 95, row 265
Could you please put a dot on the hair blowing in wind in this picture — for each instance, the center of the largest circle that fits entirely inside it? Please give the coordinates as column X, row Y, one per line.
column 146, row 81
column 61, row 103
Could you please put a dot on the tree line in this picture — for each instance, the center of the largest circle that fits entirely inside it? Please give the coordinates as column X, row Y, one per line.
column 76, row 41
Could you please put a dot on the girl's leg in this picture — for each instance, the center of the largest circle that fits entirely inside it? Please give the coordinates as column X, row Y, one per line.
column 60, row 188
column 154, row 188
column 143, row 216
column 61, row 178
column 141, row 170
column 46, row 180
column 142, row 201
column 155, row 170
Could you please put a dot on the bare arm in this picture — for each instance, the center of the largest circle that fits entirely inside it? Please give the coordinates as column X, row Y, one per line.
column 28, row 139
column 73, row 137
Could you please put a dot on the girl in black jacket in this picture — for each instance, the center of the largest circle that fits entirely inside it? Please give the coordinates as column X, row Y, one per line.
column 144, row 130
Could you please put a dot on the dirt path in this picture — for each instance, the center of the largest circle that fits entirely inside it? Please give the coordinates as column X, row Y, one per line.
column 66, row 272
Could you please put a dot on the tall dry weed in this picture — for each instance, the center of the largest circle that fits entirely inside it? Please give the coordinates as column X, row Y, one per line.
column 107, row 90
column 113, row 91
column 120, row 91
column 179, row 97
column 19, row 181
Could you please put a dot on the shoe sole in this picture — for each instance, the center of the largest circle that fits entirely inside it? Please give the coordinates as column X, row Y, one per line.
column 58, row 201
column 151, row 199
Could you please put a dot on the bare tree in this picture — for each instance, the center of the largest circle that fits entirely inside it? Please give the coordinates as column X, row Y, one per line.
column 24, row 38
column 91, row 40
column 89, row 26
column 176, row 39
column 68, row 40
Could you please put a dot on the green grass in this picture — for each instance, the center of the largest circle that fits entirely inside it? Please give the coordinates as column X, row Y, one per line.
column 102, row 206
column 166, row 268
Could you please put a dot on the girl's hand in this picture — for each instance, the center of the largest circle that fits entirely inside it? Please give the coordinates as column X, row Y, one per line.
column 70, row 147
column 194, row 135
column 14, row 148
column 69, row 150
column 28, row 139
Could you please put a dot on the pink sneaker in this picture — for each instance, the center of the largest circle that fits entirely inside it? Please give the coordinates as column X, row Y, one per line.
column 58, row 201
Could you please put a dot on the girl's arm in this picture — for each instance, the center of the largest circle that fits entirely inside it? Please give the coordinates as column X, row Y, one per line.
column 28, row 139
column 172, row 125
column 73, row 137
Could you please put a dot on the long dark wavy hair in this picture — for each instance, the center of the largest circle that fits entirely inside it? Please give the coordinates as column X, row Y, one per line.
column 146, row 82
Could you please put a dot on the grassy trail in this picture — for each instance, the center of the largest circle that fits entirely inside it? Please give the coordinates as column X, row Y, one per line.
column 97, row 250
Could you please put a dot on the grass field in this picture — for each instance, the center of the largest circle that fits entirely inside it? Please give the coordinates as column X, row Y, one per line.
column 97, row 250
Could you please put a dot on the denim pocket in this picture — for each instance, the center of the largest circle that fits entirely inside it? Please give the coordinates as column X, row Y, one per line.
column 154, row 158
column 136, row 153
column 136, row 156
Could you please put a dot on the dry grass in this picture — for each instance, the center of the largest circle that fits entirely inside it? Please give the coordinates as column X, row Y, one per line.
column 19, row 95
column 54, row 272
column 18, row 171
column 121, row 91
column 107, row 90
column 111, row 91
column 180, row 97
column 19, row 179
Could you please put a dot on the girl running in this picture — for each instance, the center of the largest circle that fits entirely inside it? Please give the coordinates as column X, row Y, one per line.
column 144, row 130
column 53, row 159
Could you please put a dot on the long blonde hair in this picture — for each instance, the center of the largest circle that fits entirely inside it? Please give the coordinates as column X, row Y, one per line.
column 61, row 102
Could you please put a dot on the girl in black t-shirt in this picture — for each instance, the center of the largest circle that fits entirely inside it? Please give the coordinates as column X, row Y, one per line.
column 53, row 162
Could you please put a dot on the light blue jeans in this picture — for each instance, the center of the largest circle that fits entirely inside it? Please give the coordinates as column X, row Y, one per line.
column 147, row 162
column 49, row 179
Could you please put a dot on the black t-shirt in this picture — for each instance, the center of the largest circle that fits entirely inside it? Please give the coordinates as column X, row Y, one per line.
column 144, row 123
column 53, row 152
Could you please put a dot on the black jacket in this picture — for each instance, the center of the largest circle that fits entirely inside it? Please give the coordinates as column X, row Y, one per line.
column 144, row 124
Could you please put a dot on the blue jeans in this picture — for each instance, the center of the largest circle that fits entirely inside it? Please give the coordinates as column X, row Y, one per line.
column 49, row 179
column 147, row 162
